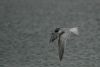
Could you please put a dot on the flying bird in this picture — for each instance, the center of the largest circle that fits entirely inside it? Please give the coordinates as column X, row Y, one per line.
column 62, row 35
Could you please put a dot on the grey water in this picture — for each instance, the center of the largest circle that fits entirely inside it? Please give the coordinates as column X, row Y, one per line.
column 25, row 27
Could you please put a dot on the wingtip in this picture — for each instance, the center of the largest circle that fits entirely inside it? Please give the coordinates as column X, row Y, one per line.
column 60, row 59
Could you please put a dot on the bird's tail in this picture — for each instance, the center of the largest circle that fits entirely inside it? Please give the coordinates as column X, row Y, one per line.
column 74, row 30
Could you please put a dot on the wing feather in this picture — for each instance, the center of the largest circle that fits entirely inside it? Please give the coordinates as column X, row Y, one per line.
column 53, row 37
column 61, row 42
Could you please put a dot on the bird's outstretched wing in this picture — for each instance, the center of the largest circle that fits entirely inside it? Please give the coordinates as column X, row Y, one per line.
column 61, row 42
column 53, row 37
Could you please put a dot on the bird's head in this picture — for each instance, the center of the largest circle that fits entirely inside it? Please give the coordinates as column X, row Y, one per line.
column 57, row 30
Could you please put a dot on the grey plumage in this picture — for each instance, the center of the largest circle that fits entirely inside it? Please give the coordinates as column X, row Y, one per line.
column 62, row 34
column 60, row 47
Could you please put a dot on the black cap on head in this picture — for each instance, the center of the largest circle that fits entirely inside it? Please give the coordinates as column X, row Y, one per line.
column 57, row 29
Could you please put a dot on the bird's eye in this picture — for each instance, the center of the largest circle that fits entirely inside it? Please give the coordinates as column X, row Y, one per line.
column 57, row 29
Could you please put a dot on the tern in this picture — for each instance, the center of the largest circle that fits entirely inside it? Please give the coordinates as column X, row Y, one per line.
column 62, row 35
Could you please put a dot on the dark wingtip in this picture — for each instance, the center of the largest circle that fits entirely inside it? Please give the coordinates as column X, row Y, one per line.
column 50, row 41
column 61, row 53
column 60, row 58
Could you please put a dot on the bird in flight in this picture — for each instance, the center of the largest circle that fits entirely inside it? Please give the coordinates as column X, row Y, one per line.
column 62, row 35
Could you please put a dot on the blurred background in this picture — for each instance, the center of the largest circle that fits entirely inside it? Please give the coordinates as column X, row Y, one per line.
column 25, row 27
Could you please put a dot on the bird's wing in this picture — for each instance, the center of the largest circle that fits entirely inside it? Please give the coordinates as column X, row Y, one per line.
column 53, row 37
column 61, row 42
